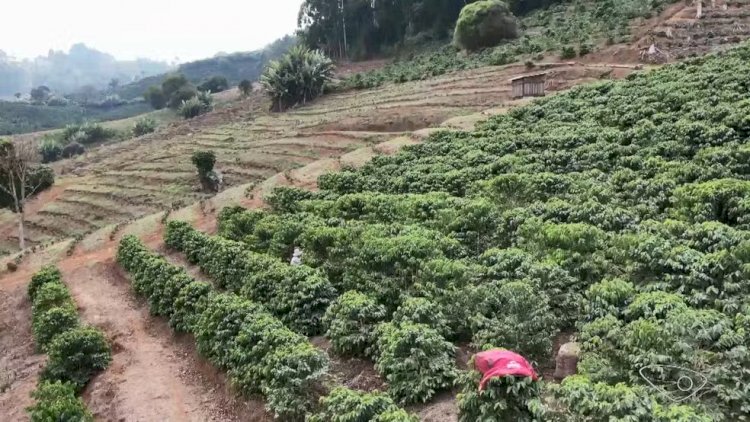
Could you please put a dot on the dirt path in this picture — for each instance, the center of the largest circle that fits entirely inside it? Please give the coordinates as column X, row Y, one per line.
column 19, row 365
column 154, row 375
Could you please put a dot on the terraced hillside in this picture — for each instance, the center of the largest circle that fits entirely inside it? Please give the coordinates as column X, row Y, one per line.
column 119, row 182
column 134, row 178
column 617, row 209
column 682, row 35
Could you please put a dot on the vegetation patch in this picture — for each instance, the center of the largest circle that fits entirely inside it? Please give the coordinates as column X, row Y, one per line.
column 615, row 209
column 75, row 352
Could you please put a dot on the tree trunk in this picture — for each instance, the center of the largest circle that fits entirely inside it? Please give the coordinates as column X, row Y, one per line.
column 21, row 234
column 699, row 7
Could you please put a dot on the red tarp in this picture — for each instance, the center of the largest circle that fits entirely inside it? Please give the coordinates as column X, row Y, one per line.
column 501, row 363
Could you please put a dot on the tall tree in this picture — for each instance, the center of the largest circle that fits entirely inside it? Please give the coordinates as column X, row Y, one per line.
column 21, row 177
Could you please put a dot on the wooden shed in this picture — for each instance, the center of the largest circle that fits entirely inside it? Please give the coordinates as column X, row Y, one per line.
column 529, row 85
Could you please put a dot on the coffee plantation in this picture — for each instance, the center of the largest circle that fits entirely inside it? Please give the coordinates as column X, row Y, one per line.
column 616, row 211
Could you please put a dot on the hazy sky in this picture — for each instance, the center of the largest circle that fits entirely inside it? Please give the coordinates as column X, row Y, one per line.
column 158, row 29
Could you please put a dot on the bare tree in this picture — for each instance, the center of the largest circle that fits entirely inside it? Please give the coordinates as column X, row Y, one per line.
column 20, row 179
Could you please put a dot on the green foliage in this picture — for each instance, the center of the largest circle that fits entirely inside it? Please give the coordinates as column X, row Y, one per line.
column 245, row 87
column 156, row 97
column 21, row 117
column 346, row 405
column 86, row 133
column 214, row 84
column 419, row 310
column 204, row 161
column 609, row 297
column 191, row 300
column 220, row 324
column 726, row 201
column 615, row 208
column 50, row 150
column 298, row 295
column 47, row 275
column 197, row 105
column 53, row 311
column 52, row 322
column 351, row 322
column 144, row 126
column 173, row 83
column 73, row 149
column 514, row 316
column 415, row 360
column 76, row 355
column 597, row 401
column 503, row 399
column 57, row 402
column 484, row 24
column 181, row 96
column 567, row 52
column 552, row 26
column 296, row 78
column 257, row 350
column 51, row 295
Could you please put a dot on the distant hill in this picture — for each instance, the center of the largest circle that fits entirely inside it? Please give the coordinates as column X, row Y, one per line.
column 68, row 72
column 22, row 116
column 235, row 67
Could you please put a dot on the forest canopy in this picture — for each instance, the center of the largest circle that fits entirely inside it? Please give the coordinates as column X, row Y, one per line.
column 362, row 28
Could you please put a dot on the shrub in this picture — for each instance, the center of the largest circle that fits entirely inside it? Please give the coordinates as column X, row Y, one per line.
column 584, row 49
column 204, row 161
column 294, row 372
column 516, row 317
column 76, row 355
column 50, row 150
column 298, row 77
column 567, row 52
column 50, row 323
column 214, row 84
column 346, row 405
column 608, row 297
column 48, row 274
column 219, row 325
column 86, row 133
column 191, row 108
column 174, row 83
column 725, row 200
column 298, row 295
column 144, row 126
column 483, row 24
column 351, row 322
column 181, row 96
column 419, row 310
column 503, row 399
column 56, row 401
column 73, row 149
column 200, row 104
column 259, row 352
column 585, row 399
column 245, row 87
column 415, row 360
column 190, row 301
column 156, row 97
